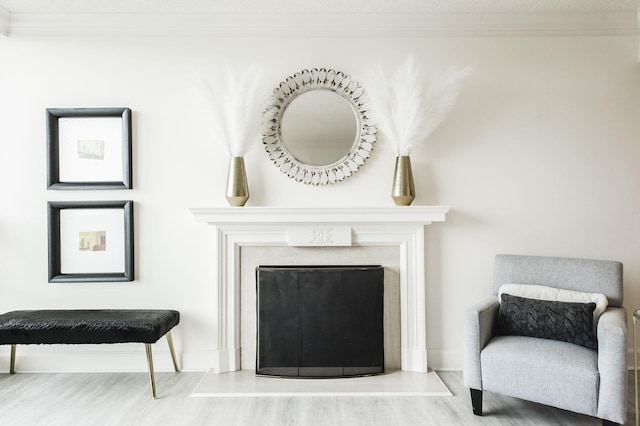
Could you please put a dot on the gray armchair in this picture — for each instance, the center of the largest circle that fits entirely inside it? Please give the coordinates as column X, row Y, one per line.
column 551, row 372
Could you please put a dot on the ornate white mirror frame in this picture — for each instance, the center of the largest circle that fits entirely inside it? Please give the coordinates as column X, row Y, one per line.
column 294, row 86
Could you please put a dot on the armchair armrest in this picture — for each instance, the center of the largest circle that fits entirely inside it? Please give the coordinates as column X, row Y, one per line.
column 479, row 326
column 612, row 365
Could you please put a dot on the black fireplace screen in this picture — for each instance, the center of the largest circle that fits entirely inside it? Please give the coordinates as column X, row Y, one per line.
column 320, row 321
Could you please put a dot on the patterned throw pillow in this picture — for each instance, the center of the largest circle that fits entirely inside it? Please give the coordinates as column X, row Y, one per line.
column 565, row 321
column 541, row 292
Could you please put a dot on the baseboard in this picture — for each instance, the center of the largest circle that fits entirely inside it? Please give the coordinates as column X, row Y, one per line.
column 128, row 357
column 444, row 360
column 630, row 363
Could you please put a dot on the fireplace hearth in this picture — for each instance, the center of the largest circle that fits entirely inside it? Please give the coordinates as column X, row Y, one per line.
column 320, row 321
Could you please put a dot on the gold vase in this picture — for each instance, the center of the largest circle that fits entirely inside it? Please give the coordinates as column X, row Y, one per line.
column 403, row 191
column 237, row 187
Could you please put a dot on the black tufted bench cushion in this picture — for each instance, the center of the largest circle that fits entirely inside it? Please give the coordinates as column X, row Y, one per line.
column 89, row 327
column 86, row 326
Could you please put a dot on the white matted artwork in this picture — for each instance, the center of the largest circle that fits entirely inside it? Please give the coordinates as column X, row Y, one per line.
column 90, row 241
column 89, row 148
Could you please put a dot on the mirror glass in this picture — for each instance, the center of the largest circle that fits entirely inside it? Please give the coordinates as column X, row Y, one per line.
column 317, row 129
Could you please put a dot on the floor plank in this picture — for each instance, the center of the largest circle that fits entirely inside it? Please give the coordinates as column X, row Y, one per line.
column 68, row 399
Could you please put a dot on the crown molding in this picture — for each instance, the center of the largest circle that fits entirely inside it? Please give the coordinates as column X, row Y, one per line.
column 564, row 23
column 5, row 21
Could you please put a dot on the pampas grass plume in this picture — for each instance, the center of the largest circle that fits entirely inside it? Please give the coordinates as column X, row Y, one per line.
column 235, row 102
column 405, row 114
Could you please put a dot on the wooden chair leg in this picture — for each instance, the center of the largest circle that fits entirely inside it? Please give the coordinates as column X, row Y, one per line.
column 476, row 401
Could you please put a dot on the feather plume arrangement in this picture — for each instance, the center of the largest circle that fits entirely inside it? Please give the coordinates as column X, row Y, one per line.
column 235, row 103
column 405, row 114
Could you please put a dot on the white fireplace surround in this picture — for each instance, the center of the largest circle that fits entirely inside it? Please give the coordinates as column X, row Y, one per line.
column 350, row 226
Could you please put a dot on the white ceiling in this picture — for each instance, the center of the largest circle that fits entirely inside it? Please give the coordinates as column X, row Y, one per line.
column 327, row 18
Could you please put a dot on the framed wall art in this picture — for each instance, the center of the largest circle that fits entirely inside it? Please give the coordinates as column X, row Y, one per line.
column 90, row 241
column 89, row 148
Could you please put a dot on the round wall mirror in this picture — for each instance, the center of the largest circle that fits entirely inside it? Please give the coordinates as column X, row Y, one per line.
column 317, row 129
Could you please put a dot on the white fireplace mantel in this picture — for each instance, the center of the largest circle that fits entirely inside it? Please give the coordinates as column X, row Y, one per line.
column 336, row 226
column 296, row 215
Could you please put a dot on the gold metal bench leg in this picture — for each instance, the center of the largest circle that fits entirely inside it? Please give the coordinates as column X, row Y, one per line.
column 173, row 353
column 635, row 365
column 12, row 363
column 147, row 346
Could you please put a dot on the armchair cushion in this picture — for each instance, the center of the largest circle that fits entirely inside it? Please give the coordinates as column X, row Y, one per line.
column 564, row 321
column 541, row 370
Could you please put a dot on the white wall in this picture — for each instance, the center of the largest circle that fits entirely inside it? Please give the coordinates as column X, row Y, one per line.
column 539, row 157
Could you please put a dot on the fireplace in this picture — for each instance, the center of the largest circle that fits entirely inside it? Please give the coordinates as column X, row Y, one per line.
column 320, row 320
column 399, row 227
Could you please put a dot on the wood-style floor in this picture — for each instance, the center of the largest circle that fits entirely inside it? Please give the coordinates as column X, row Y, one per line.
column 89, row 399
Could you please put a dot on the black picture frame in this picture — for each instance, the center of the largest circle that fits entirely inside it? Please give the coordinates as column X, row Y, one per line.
column 88, row 180
column 61, row 240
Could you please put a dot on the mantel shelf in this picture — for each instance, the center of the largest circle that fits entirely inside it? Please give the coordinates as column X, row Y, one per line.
column 309, row 215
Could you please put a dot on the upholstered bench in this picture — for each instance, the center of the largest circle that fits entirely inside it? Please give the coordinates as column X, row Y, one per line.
column 89, row 327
